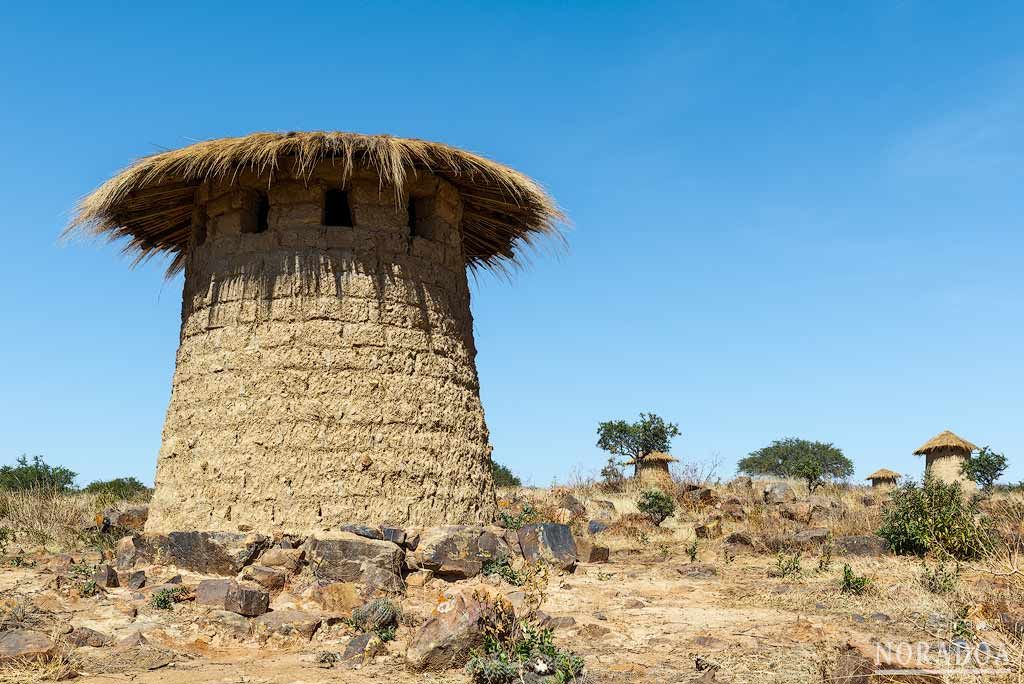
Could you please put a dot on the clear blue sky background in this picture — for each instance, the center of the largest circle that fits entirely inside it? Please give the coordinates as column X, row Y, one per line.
column 788, row 218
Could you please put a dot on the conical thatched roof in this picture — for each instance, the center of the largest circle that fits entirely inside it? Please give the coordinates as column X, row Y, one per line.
column 655, row 457
column 151, row 201
column 945, row 440
column 883, row 474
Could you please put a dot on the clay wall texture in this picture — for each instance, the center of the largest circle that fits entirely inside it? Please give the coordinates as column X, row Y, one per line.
column 945, row 465
column 325, row 375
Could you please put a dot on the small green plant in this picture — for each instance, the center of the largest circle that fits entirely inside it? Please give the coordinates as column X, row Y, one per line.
column 934, row 517
column 604, row 576
column 728, row 555
column 88, row 588
column 81, row 569
column 940, row 579
column 664, row 551
column 961, row 626
column 376, row 615
column 693, row 550
column 853, row 583
column 6, row 537
column 164, row 599
column 503, row 476
column 503, row 569
column 385, row 634
column 656, row 505
column 787, row 565
column 526, row 515
column 20, row 561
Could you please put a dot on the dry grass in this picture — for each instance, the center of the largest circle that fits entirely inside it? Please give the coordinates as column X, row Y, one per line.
column 62, row 666
column 54, row 519
column 150, row 203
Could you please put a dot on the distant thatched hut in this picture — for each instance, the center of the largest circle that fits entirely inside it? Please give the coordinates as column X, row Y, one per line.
column 944, row 454
column 883, row 478
column 653, row 468
column 326, row 365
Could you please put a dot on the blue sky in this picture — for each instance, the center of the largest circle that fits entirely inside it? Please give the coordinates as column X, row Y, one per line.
column 788, row 219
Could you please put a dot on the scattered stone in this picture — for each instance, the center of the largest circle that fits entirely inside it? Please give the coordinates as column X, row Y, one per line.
column 711, row 529
column 83, row 636
column 133, row 639
column 287, row 623
column 226, row 622
column 106, row 577
column 703, row 496
column 136, row 579
column 596, row 527
column 881, row 617
column 456, row 627
column 350, row 558
column 698, row 570
column 740, row 539
column 779, row 493
column 395, row 535
column 362, row 648
column 336, row 597
column 226, row 594
column 589, row 552
column 551, row 622
column 810, row 537
column 455, row 552
column 592, row 631
column 600, row 616
column 419, row 578
column 571, row 504
column 550, row 543
column 208, row 553
column 797, row 511
column 862, row 545
column 271, row 579
column 633, row 604
column 25, row 645
column 363, row 531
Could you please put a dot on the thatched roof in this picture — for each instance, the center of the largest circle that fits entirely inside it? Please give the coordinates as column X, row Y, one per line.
column 150, row 202
column 655, row 457
column 883, row 474
column 945, row 440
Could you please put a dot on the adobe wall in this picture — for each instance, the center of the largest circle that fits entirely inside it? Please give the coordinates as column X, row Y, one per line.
column 325, row 375
column 945, row 465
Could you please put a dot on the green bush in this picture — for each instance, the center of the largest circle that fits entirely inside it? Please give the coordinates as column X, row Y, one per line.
column 656, row 505
column 503, row 476
column 934, row 517
column 984, row 467
column 503, row 569
column 164, row 599
column 854, row 583
column 36, row 474
column 523, row 653
column 940, row 579
column 119, row 489
column 526, row 515
column 787, row 566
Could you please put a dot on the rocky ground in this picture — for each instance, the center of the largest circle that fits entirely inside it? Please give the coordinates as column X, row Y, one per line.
column 739, row 586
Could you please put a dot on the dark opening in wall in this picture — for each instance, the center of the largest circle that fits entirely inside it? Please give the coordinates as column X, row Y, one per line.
column 413, row 232
column 336, row 209
column 260, row 215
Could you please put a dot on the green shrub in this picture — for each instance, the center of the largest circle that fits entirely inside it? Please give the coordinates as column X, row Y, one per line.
column 519, row 651
column 503, row 569
column 656, row 505
column 940, row 579
column 36, row 474
column 854, row 583
column 6, row 537
column 119, row 489
column 787, row 565
column 693, row 550
column 503, row 476
column 164, row 599
column 984, row 467
column 527, row 514
column 88, row 588
column 933, row 517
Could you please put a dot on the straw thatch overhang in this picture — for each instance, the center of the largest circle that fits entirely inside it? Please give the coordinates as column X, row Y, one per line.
column 654, row 457
column 150, row 203
column 945, row 441
column 884, row 474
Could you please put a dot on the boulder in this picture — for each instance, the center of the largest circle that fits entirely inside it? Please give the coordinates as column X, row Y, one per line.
column 797, row 511
column 571, row 504
column 25, row 645
column 135, row 579
column 862, row 545
column 338, row 598
column 549, row 543
column 208, row 553
column 455, row 552
column 603, row 510
column 778, row 493
column 740, row 539
column 360, row 649
column 810, row 537
column 83, row 636
column 456, row 627
column 596, row 527
column 227, row 594
column 226, row 622
column 419, row 578
column 700, row 496
column 733, row 509
column 106, row 577
column 132, row 518
column 346, row 557
column 589, row 552
column 363, row 531
column 271, row 579
column 289, row 560
column 287, row 623
column 711, row 529
column 395, row 535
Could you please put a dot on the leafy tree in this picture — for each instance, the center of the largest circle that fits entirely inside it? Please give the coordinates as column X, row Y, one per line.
column 121, row 488
column 503, row 477
column 36, row 474
column 656, row 505
column 636, row 440
column 814, row 462
column 985, row 468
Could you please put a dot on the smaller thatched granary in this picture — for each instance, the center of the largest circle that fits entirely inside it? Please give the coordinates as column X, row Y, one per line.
column 944, row 455
column 883, row 478
column 652, row 468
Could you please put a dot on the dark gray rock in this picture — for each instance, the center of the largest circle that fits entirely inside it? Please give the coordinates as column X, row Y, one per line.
column 395, row 535
column 136, row 579
column 596, row 527
column 287, row 623
column 83, row 636
column 209, row 553
column 364, row 531
column 349, row 558
column 549, row 543
column 778, row 493
column 862, row 545
column 227, row 594
column 552, row 622
column 25, row 646
column 455, row 552
column 810, row 537
column 106, row 577
column 698, row 570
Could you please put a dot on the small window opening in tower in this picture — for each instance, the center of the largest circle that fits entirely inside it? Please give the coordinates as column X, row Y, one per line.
column 337, row 211
column 261, row 214
column 413, row 228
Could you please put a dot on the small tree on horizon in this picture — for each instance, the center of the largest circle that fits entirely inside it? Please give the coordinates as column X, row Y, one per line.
column 636, row 440
column 36, row 474
column 503, row 476
column 813, row 462
column 984, row 467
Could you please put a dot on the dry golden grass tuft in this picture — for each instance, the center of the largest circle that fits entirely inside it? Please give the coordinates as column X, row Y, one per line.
column 52, row 518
